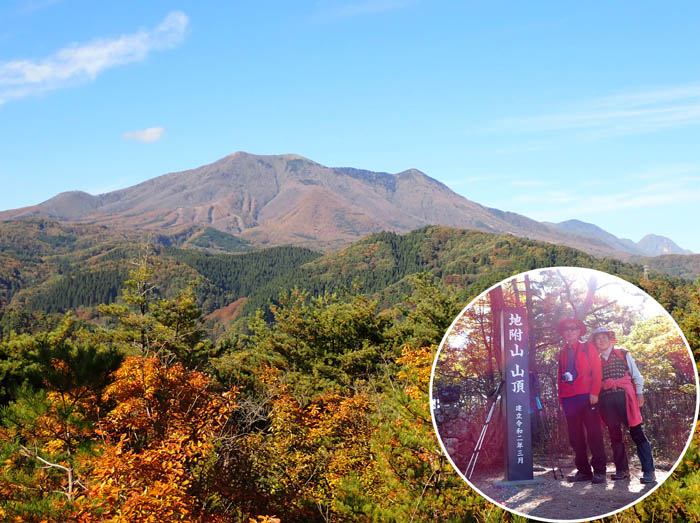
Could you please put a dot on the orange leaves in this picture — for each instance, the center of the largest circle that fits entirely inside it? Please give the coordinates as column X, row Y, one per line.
column 163, row 424
column 138, row 485
column 153, row 399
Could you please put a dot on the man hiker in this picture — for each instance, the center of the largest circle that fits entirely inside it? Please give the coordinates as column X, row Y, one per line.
column 621, row 396
column 579, row 381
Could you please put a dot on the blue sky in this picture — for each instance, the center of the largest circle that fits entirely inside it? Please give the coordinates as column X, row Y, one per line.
column 555, row 110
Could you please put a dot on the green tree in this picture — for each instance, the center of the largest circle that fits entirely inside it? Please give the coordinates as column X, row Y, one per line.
column 46, row 432
column 170, row 329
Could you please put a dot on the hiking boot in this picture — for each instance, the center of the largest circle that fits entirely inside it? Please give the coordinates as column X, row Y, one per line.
column 599, row 478
column 648, row 477
column 620, row 475
column 573, row 478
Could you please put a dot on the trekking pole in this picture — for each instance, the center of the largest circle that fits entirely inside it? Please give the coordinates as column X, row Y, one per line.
column 547, row 436
column 480, row 442
column 545, row 427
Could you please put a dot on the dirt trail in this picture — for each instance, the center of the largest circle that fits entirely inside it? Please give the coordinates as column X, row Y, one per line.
column 559, row 499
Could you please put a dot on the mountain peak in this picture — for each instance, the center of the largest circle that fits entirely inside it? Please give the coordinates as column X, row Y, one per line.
column 656, row 245
column 286, row 156
column 650, row 245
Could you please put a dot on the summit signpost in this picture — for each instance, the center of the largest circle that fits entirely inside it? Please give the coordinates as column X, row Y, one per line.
column 515, row 346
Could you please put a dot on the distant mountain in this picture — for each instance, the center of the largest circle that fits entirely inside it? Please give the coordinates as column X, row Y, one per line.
column 589, row 229
column 655, row 245
column 288, row 199
column 650, row 245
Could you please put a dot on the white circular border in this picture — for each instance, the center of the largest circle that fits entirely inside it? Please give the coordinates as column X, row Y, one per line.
column 523, row 514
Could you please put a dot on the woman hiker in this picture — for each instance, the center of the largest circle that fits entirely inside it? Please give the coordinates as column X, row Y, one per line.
column 621, row 396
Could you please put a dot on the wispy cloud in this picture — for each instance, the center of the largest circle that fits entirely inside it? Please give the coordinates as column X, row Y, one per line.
column 558, row 204
column 622, row 114
column 366, row 7
column 665, row 172
column 645, row 197
column 76, row 63
column 150, row 135
column 27, row 7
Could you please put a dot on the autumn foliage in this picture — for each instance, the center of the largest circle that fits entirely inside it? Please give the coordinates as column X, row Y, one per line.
column 156, row 440
column 320, row 415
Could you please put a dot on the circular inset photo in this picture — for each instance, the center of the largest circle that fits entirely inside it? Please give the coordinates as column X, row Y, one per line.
column 564, row 394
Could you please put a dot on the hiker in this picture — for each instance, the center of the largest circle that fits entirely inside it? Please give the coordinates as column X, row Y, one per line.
column 621, row 395
column 579, row 381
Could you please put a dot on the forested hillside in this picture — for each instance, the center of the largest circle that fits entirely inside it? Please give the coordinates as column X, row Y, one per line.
column 684, row 265
column 314, row 408
column 53, row 267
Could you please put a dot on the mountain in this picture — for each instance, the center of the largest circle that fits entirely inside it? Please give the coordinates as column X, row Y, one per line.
column 288, row 199
column 589, row 229
column 654, row 245
column 650, row 245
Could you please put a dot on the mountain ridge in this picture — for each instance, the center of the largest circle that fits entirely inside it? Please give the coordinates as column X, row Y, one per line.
column 649, row 245
column 289, row 199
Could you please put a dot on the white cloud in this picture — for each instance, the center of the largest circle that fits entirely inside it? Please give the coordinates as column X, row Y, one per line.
column 150, row 135
column 623, row 114
column 80, row 63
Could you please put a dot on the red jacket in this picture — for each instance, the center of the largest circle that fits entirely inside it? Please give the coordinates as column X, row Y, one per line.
column 589, row 376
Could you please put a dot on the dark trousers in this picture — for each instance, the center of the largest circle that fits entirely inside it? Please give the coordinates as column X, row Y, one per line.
column 613, row 410
column 579, row 414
